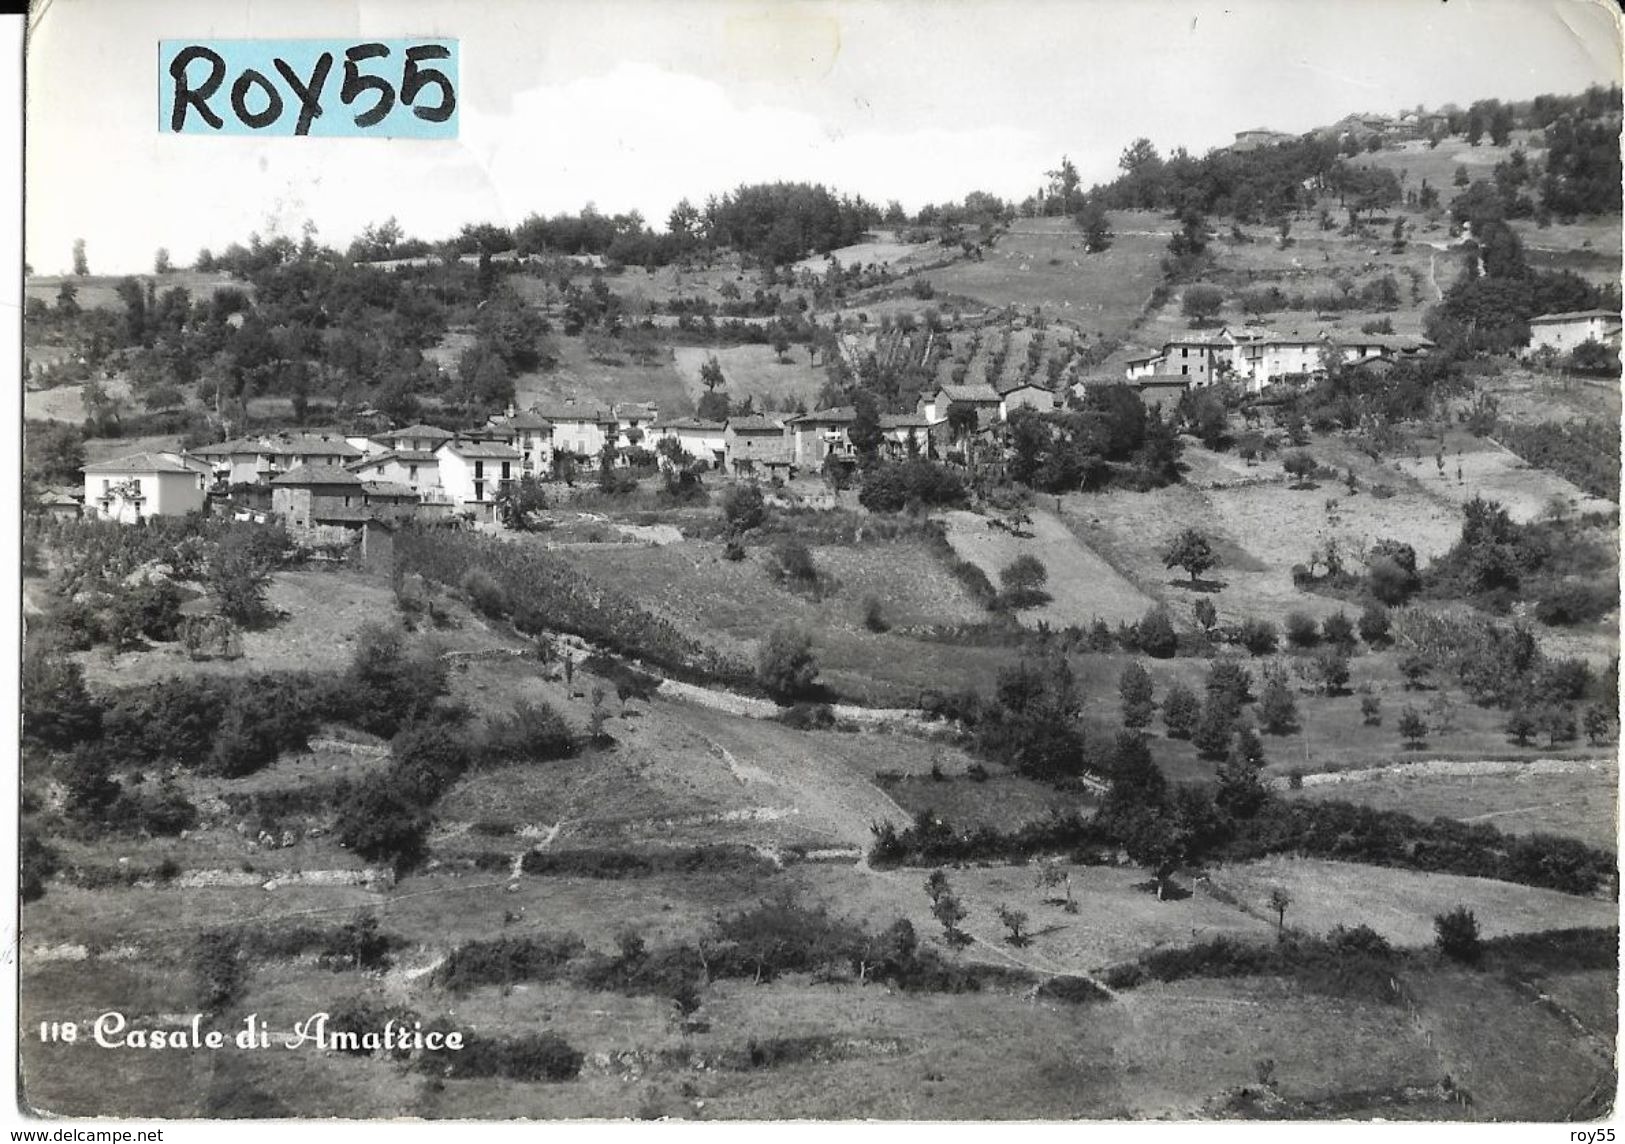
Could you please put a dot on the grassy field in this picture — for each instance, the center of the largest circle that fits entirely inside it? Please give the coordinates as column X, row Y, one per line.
column 1580, row 803
column 100, row 291
column 753, row 371
column 1042, row 263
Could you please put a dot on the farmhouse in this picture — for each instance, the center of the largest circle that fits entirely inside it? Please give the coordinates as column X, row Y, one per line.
column 1195, row 359
column 1142, row 364
column 472, row 473
column 903, row 434
column 820, row 434
column 635, row 423
column 315, row 495
column 1255, row 137
column 532, row 435
column 705, row 441
column 129, row 489
column 983, row 398
column 1028, row 396
column 415, row 438
column 579, row 429
column 417, row 471
column 1561, row 333
column 758, row 445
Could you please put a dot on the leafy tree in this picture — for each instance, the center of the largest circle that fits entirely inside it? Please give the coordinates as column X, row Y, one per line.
column 380, row 822
column 1299, row 465
column 785, row 663
column 1521, row 726
column 519, row 502
column 239, row 575
column 1023, row 581
column 1016, row 922
column 1413, row 728
column 57, row 709
column 1241, row 788
column 1192, row 551
column 1332, row 667
column 1135, row 689
column 1338, row 630
column 947, row 909
column 1097, row 233
column 1371, row 710
column 1279, row 901
column 711, row 374
column 1181, row 711
column 1214, row 730
column 160, row 261
column 1456, row 934
column 1258, row 636
column 1156, row 635
column 1599, row 724
column 744, row 508
column 865, row 432
column 1376, row 624
column 1205, row 614
column 81, row 264
column 1277, row 707
column 1201, row 302
column 1301, row 630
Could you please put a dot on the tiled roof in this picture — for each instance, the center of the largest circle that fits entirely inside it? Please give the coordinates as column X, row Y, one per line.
column 574, row 411
column 903, row 421
column 138, row 463
column 526, row 420
column 1575, row 315
column 306, row 475
column 840, row 415
column 754, row 425
column 482, row 450
column 693, row 423
column 970, row 393
column 426, row 431
column 1009, row 389
column 388, row 489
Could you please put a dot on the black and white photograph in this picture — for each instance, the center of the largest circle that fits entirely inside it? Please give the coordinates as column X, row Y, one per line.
column 818, row 560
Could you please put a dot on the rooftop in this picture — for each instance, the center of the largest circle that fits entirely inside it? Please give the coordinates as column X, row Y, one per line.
column 138, row 463
column 482, row 450
column 1575, row 315
column 307, row 475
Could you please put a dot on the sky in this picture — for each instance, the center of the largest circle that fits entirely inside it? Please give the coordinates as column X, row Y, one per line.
column 635, row 104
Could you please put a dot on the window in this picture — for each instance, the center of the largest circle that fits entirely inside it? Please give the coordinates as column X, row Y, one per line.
column 107, row 485
column 505, row 470
column 479, row 490
column 1184, row 351
column 1184, row 369
column 412, row 472
column 479, row 469
column 135, row 486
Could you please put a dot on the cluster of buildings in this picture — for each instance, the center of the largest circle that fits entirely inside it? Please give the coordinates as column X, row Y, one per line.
column 314, row 481
column 1254, row 359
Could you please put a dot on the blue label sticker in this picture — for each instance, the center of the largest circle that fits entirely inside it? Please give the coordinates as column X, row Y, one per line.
column 388, row 89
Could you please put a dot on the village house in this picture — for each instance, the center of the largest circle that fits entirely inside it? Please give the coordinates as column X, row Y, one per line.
column 1255, row 137
column 635, row 424
column 1197, row 360
column 1561, row 333
column 757, row 446
column 983, row 398
column 313, row 496
column 705, row 441
column 251, row 460
column 130, row 489
column 1142, row 365
column 580, row 429
column 820, row 434
column 415, row 439
column 531, row 435
column 472, row 473
column 897, row 430
column 418, row 471
column 1029, row 396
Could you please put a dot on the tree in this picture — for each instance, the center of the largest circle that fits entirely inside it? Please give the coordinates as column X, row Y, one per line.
column 1521, row 726
column 865, row 432
column 1375, row 624
column 1277, row 707
column 1456, row 934
column 1016, row 922
column 1192, row 551
column 1299, row 465
column 1156, row 635
column 239, row 575
column 1241, row 789
column 518, row 503
column 1214, row 729
column 1258, row 636
column 1599, row 724
column 1332, row 668
column 57, row 709
column 1135, row 689
column 946, row 908
column 743, row 508
column 781, row 346
column 785, row 663
column 1181, row 711
column 160, row 261
column 1413, row 728
column 1023, row 580
column 1301, row 630
column 1201, row 302
column 1205, row 614
column 81, row 264
column 1371, row 710
column 711, row 374
column 1279, row 901
column 1338, row 630
column 1097, row 233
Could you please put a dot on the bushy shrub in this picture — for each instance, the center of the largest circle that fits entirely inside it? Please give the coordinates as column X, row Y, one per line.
column 1155, row 634
column 892, row 487
column 1575, row 603
column 1258, row 636
column 1338, row 630
column 507, row 961
column 1376, row 624
column 785, row 664
column 1023, row 581
column 1456, row 933
column 1301, row 630
column 743, row 508
column 531, row 731
column 1181, row 711
column 57, row 709
column 382, row 824
column 485, row 593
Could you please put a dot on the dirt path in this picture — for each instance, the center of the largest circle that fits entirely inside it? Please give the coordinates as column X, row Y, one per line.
column 1433, row 280
column 1081, row 584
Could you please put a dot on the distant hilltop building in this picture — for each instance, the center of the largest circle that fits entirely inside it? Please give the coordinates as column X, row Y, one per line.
column 1255, row 137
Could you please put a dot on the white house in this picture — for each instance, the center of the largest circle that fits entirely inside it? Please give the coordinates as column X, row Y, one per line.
column 1029, row 396
column 473, row 472
column 418, row 471
column 705, row 441
column 129, row 489
column 249, row 460
column 638, row 417
column 532, row 435
column 1561, row 333
column 579, row 428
